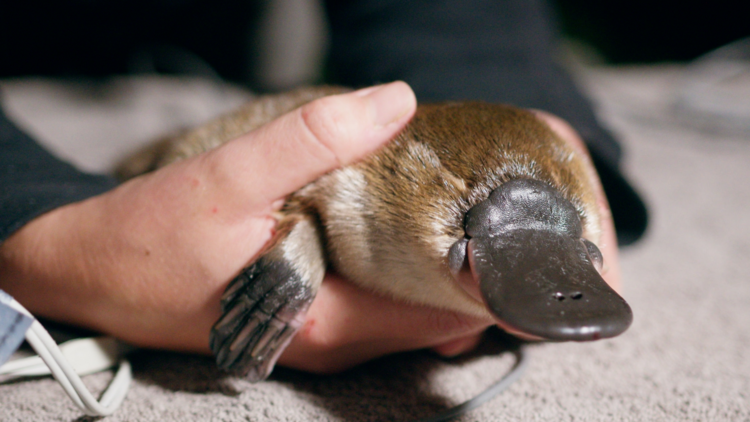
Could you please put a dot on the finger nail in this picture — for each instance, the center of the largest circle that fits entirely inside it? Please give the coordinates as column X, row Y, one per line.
column 389, row 102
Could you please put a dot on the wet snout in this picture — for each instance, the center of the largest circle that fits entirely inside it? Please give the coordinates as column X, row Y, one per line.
column 536, row 274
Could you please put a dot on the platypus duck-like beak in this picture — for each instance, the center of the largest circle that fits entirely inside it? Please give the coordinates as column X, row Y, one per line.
column 536, row 274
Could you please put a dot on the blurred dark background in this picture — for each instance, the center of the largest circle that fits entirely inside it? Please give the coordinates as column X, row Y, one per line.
column 46, row 37
column 646, row 31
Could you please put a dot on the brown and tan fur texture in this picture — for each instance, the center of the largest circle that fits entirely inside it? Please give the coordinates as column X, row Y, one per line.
column 389, row 220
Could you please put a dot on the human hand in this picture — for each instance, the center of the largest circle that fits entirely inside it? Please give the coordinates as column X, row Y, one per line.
column 148, row 261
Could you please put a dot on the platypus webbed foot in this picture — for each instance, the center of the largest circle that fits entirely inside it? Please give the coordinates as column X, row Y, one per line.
column 266, row 304
column 536, row 273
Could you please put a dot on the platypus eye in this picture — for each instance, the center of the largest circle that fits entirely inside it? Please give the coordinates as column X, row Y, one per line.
column 595, row 255
column 457, row 256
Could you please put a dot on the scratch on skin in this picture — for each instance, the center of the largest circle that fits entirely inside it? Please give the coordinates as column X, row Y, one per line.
column 308, row 327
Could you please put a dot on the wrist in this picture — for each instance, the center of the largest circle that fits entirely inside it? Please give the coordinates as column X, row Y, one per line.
column 37, row 260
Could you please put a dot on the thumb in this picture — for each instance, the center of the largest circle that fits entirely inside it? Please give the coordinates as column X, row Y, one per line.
column 300, row 146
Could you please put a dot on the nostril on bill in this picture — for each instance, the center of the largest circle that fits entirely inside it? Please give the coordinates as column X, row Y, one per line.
column 559, row 296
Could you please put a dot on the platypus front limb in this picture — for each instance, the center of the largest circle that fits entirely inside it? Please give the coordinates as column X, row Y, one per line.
column 266, row 304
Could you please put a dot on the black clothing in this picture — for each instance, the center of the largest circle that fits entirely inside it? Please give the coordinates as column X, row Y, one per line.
column 498, row 51
column 33, row 181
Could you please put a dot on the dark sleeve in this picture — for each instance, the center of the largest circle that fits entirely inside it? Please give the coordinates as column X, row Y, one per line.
column 491, row 50
column 33, row 181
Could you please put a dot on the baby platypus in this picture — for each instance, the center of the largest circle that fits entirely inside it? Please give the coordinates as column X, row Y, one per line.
column 474, row 207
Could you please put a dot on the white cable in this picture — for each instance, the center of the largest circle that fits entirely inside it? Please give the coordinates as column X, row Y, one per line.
column 85, row 355
column 62, row 370
column 515, row 373
column 93, row 355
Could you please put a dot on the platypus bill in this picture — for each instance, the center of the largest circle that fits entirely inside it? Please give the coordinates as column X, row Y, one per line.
column 474, row 207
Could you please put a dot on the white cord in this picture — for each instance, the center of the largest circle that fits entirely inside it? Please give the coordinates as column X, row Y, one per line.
column 92, row 355
column 512, row 376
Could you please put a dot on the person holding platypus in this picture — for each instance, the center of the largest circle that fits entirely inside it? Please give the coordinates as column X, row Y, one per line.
column 149, row 260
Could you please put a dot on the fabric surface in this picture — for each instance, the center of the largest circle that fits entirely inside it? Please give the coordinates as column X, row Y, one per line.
column 34, row 181
column 684, row 359
column 502, row 52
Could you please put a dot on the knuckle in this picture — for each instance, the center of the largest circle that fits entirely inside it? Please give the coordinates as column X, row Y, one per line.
column 331, row 121
column 562, row 128
column 218, row 167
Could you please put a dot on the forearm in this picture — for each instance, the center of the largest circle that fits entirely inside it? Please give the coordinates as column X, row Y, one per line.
column 120, row 262
column 38, row 260
column 42, row 266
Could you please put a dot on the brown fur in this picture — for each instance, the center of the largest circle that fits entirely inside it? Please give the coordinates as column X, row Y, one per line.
column 390, row 219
